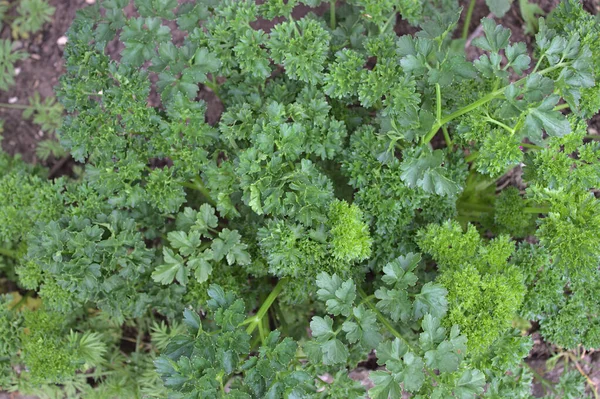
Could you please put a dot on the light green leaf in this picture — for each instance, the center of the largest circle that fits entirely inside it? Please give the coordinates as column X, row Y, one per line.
column 394, row 303
column 545, row 117
column 390, row 353
column 432, row 333
column 431, row 299
column 496, row 36
column 517, row 57
column 399, row 271
column 449, row 353
column 470, row 384
column 173, row 268
column 185, row 243
column 321, row 328
column 413, row 375
column 206, row 219
column 337, row 295
column 425, row 170
column 385, row 386
column 364, row 330
column 202, row 268
column 229, row 246
column 333, row 351
column 498, row 7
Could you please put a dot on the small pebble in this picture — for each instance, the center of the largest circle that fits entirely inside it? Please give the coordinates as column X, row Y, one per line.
column 36, row 57
column 17, row 71
column 90, row 1
column 62, row 40
column 592, row 130
column 13, row 100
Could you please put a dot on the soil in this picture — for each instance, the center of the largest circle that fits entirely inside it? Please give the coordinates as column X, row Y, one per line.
column 41, row 71
column 38, row 73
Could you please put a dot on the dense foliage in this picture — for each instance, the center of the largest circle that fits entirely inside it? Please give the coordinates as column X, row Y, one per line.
column 343, row 208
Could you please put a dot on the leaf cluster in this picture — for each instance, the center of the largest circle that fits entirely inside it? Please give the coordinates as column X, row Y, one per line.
column 344, row 204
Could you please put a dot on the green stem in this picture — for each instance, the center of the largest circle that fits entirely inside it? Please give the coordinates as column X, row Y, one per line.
column 438, row 102
column 532, row 146
column 473, row 106
column 465, row 31
column 294, row 24
column 447, row 136
column 280, row 316
column 22, row 301
column 24, row 107
column 138, row 338
column 14, row 106
column 592, row 137
column 199, row 186
column 214, row 87
column 478, row 103
column 389, row 21
column 383, row 319
column 366, row 299
column 537, row 65
column 502, row 125
column 262, row 332
column 477, row 207
column 98, row 374
column 472, row 156
column 560, row 107
column 590, row 382
column 531, row 209
column 9, row 253
column 262, row 311
column 332, row 14
column 466, row 109
column 221, row 384
column 484, row 208
column 541, row 378
column 438, row 113
column 334, row 49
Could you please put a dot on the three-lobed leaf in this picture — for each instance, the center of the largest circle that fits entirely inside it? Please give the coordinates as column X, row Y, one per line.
column 338, row 295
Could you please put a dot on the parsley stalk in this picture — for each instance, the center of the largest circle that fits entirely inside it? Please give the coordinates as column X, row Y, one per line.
column 16, row 106
column 560, row 107
column 502, row 125
column 199, row 186
column 532, row 209
column 438, row 113
column 570, row 356
column 8, row 253
column 482, row 101
column 438, row 103
column 213, row 85
column 447, row 136
column 388, row 22
column 332, row 14
column 531, row 146
column 540, row 378
column 467, row 22
column 383, row 319
column 262, row 311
